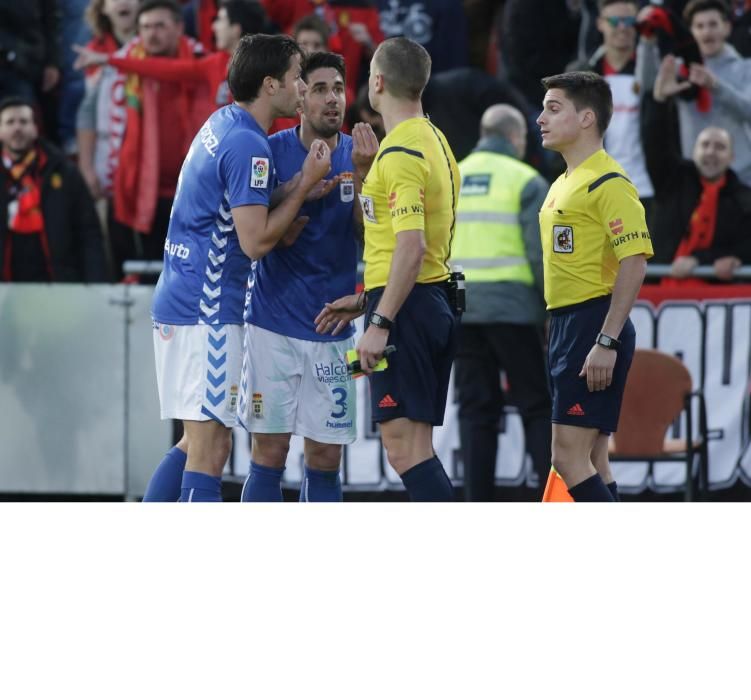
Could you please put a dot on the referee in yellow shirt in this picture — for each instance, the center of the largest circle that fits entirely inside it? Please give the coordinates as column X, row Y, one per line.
column 408, row 201
column 595, row 245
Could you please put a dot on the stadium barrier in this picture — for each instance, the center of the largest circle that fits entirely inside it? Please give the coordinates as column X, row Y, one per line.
column 79, row 402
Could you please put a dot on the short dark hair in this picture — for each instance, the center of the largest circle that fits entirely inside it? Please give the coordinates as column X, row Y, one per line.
column 313, row 23
column 257, row 57
column 249, row 14
column 602, row 4
column 171, row 5
column 405, row 65
column 323, row 59
column 696, row 6
column 585, row 89
column 15, row 101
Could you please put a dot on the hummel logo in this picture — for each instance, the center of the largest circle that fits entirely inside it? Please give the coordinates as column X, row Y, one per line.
column 387, row 402
column 575, row 410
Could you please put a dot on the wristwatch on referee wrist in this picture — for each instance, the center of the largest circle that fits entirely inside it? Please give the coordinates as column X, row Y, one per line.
column 380, row 321
column 607, row 342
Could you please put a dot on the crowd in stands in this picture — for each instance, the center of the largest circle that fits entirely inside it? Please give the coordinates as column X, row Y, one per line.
column 99, row 100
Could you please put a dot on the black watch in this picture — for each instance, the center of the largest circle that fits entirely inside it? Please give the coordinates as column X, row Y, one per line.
column 380, row 321
column 607, row 342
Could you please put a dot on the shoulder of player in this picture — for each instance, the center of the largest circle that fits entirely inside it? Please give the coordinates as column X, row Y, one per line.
column 241, row 136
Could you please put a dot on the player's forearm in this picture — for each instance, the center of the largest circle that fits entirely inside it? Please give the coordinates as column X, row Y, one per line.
column 277, row 223
column 405, row 267
column 627, row 285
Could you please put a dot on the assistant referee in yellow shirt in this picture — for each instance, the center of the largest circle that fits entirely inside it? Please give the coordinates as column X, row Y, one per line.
column 408, row 200
column 595, row 244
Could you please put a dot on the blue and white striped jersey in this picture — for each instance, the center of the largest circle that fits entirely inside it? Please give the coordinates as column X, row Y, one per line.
column 205, row 273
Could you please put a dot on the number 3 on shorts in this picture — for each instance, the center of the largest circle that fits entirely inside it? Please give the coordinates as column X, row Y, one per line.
column 340, row 399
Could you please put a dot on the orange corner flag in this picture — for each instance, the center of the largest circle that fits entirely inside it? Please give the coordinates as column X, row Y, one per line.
column 555, row 489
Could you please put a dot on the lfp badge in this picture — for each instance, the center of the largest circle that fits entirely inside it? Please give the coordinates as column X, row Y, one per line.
column 259, row 172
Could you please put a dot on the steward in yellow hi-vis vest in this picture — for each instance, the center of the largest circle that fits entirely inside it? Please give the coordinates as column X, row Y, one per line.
column 488, row 241
column 497, row 242
column 497, row 237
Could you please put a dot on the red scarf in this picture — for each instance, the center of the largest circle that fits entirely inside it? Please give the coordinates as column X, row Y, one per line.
column 702, row 225
column 136, row 179
column 25, row 216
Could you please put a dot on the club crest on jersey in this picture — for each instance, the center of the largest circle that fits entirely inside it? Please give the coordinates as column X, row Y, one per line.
column 259, row 175
column 563, row 239
column 347, row 187
column 368, row 209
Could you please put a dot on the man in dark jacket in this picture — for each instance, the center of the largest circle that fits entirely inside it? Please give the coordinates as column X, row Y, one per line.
column 29, row 47
column 49, row 230
column 702, row 209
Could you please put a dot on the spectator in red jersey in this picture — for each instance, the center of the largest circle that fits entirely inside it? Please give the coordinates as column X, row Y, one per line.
column 234, row 19
column 49, row 230
column 147, row 127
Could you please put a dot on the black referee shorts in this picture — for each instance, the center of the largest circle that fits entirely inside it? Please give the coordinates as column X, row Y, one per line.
column 573, row 330
column 415, row 384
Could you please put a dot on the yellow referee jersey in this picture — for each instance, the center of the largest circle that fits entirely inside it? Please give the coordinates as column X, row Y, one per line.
column 590, row 221
column 412, row 184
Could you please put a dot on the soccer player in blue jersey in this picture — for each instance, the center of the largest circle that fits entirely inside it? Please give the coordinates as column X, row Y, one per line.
column 221, row 218
column 299, row 383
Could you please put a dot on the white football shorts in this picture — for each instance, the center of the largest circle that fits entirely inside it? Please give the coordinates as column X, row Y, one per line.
column 198, row 371
column 297, row 386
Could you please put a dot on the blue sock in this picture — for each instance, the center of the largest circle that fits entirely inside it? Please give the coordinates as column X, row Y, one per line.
column 164, row 484
column 320, row 486
column 263, row 485
column 428, row 482
column 613, row 488
column 591, row 490
column 198, row 486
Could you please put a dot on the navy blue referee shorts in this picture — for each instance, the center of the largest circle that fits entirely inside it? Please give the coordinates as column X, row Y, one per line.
column 415, row 384
column 573, row 330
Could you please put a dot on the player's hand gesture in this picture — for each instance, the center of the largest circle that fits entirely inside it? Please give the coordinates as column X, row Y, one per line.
column 364, row 148
column 337, row 314
column 598, row 368
column 317, row 163
column 666, row 83
column 322, row 188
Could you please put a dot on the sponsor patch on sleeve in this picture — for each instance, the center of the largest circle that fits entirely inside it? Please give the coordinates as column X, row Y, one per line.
column 259, row 172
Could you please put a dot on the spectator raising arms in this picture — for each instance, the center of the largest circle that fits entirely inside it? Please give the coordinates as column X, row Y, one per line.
column 723, row 73
column 701, row 208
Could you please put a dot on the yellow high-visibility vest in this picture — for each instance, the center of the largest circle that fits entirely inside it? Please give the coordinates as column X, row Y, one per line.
column 488, row 240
